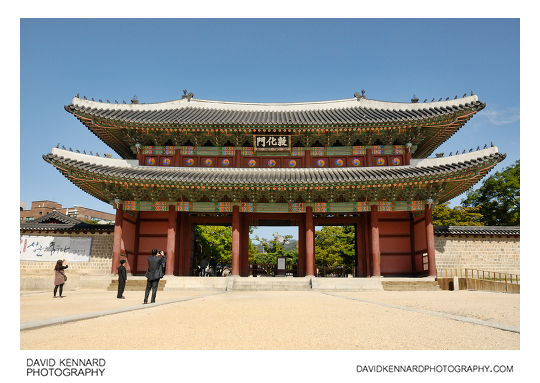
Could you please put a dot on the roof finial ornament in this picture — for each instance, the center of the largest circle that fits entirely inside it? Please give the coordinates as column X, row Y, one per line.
column 485, row 146
column 58, row 145
column 134, row 99
column 84, row 151
column 63, row 147
column 116, row 101
column 455, row 98
column 478, row 147
column 84, row 97
column 91, row 153
column 472, row 94
column 440, row 99
column 447, row 98
column 187, row 95
column 78, row 96
column 77, row 150
column 470, row 150
column 97, row 154
column 464, row 95
column 433, row 99
column 414, row 99
column 108, row 102
column 492, row 144
column 425, row 100
column 450, row 154
column 463, row 151
column 123, row 101
column 70, row 149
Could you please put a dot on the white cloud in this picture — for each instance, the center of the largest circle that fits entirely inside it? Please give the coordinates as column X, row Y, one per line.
column 501, row 116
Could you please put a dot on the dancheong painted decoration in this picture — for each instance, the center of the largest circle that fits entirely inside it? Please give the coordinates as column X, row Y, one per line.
column 344, row 162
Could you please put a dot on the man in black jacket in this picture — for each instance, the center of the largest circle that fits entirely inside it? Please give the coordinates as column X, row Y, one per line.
column 153, row 275
column 122, row 278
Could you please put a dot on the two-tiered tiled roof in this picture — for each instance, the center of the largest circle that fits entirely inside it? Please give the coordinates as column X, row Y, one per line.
column 122, row 126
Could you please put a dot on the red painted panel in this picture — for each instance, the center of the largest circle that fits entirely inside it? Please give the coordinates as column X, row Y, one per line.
column 164, row 215
column 142, row 264
column 419, row 262
column 395, row 245
column 128, row 235
column 361, row 161
column 225, row 162
column 389, row 215
column 153, row 227
column 320, row 162
column 420, row 236
column 146, row 244
column 394, row 227
column 395, row 264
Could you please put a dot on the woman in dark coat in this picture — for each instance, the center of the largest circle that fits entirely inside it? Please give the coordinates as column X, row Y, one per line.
column 59, row 276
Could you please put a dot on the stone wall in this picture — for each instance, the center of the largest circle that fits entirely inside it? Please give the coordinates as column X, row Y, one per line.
column 94, row 274
column 489, row 253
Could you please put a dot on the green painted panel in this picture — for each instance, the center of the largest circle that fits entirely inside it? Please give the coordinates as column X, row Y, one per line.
column 207, row 151
column 271, row 207
column 204, row 206
column 340, row 207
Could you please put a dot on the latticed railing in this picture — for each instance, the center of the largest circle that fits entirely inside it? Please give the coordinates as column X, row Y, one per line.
column 479, row 274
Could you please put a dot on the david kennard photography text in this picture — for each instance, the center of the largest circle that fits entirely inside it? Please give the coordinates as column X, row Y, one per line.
column 65, row 367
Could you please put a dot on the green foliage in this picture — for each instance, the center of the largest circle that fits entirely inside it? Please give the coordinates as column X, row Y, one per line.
column 457, row 216
column 335, row 246
column 274, row 248
column 213, row 243
column 498, row 198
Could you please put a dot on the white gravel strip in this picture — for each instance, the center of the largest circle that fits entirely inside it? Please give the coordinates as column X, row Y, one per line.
column 96, row 314
column 435, row 313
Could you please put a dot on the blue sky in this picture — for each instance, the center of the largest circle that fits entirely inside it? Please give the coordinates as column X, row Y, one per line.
column 259, row 60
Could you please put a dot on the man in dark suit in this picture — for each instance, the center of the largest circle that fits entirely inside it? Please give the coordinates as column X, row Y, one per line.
column 153, row 274
column 122, row 278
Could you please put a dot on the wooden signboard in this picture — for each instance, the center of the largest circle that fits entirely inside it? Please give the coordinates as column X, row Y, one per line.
column 272, row 143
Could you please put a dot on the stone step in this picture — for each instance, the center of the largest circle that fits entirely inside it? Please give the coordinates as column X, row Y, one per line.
column 410, row 286
column 134, row 285
column 271, row 284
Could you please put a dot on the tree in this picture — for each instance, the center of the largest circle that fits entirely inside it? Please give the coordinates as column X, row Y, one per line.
column 274, row 248
column 457, row 216
column 214, row 243
column 498, row 198
column 335, row 247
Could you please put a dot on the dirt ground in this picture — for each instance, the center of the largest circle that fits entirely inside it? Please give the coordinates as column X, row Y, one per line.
column 286, row 320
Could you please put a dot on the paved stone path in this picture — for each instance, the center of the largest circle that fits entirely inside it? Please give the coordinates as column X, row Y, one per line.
column 280, row 320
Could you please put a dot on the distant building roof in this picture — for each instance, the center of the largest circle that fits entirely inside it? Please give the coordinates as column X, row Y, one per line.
column 477, row 230
column 55, row 221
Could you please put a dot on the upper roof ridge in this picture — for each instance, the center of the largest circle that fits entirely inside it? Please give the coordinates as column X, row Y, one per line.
column 274, row 106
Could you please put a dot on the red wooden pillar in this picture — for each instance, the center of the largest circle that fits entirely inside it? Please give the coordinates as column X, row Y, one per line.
column 307, row 158
column 310, row 242
column 236, row 241
column 136, row 246
column 365, row 224
column 368, row 157
column 430, row 241
column 186, row 246
column 375, row 248
column 360, row 248
column 244, row 244
column 117, row 240
column 237, row 160
column 302, row 247
column 411, row 236
column 171, row 241
column 180, row 243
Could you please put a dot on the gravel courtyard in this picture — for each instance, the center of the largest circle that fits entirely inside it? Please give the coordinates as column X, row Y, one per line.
column 288, row 320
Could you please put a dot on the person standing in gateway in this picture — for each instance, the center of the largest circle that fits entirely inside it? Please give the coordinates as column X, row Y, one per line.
column 122, row 278
column 153, row 275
